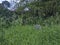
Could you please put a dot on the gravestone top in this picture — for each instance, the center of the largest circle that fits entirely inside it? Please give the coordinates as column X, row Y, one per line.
column 37, row 26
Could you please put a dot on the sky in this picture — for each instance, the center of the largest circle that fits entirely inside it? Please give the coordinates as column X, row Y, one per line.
column 12, row 7
column 7, row 0
column 4, row 0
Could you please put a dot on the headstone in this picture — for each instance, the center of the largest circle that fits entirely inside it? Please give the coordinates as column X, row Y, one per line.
column 37, row 26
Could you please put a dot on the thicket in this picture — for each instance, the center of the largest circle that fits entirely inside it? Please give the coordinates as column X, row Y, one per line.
column 45, row 12
column 42, row 12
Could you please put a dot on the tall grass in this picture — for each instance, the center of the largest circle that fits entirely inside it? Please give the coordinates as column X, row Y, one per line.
column 18, row 34
column 28, row 35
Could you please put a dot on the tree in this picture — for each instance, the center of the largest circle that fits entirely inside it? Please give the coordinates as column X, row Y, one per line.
column 40, row 9
column 7, row 16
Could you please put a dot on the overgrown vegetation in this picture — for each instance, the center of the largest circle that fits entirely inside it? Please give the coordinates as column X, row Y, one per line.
column 17, row 27
column 40, row 10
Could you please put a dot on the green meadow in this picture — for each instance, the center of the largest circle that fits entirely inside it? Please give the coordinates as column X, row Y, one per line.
column 28, row 35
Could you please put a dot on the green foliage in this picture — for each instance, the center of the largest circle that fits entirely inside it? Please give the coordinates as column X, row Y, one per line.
column 39, row 11
column 6, row 17
column 45, row 12
column 28, row 35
